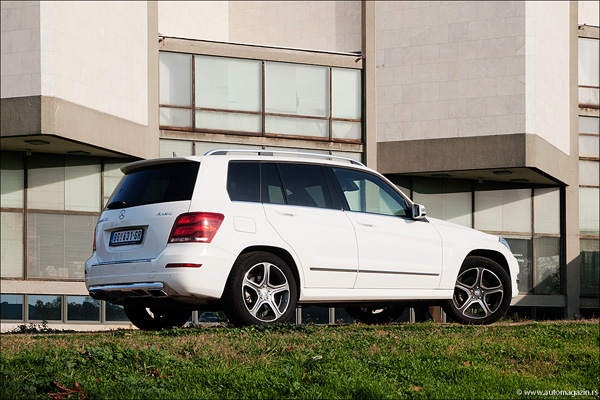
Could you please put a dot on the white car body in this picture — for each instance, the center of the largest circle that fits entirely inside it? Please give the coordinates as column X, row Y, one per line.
column 340, row 256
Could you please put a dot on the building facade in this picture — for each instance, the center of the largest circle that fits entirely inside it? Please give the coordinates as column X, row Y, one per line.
column 485, row 112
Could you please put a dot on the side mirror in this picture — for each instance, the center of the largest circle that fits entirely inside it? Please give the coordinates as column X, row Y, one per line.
column 418, row 211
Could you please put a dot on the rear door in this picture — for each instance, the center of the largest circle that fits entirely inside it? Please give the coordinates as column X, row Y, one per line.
column 140, row 214
column 299, row 205
column 394, row 250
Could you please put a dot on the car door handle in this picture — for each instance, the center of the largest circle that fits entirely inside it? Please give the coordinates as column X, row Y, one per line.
column 285, row 212
column 365, row 223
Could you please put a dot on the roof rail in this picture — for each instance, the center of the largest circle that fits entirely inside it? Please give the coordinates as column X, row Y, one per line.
column 270, row 152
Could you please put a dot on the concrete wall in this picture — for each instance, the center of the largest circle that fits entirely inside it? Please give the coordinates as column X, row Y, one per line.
column 20, row 49
column 316, row 25
column 463, row 69
column 95, row 54
column 206, row 20
column 547, row 71
column 589, row 12
column 455, row 69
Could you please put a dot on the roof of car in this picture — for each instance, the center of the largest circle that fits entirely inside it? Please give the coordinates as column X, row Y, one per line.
column 258, row 154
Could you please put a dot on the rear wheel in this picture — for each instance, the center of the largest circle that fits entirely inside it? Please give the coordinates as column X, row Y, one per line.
column 150, row 319
column 261, row 290
column 481, row 294
column 375, row 315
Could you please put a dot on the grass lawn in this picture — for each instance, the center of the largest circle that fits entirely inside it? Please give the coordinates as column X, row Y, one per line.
column 424, row 360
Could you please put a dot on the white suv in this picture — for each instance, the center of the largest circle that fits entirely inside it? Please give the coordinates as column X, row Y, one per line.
column 257, row 233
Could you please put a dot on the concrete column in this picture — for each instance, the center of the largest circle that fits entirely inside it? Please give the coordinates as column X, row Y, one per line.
column 368, row 51
column 571, row 197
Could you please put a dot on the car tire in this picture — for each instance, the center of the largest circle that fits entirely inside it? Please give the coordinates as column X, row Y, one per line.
column 482, row 292
column 375, row 315
column 147, row 319
column 261, row 290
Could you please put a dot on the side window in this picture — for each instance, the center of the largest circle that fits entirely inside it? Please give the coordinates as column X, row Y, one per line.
column 272, row 191
column 243, row 181
column 304, row 185
column 368, row 193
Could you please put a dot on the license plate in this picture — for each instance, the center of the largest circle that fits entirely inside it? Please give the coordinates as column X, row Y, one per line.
column 120, row 238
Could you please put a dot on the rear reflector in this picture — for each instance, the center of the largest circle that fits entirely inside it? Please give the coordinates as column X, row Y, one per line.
column 183, row 265
column 195, row 227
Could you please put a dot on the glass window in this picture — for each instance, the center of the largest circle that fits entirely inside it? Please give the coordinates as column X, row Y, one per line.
column 173, row 181
column 503, row 210
column 354, row 156
column 83, row 308
column 589, row 97
column 589, row 125
column 589, row 213
column 175, row 117
column 63, row 183
column 306, row 127
column 243, row 181
column 112, row 177
column 296, row 89
column 590, row 267
column 522, row 250
column 58, row 245
column 589, row 71
column 228, row 83
column 445, row 199
column 176, row 148
column 547, row 265
column 82, row 184
column 272, row 191
column 11, row 247
column 115, row 312
column 11, row 306
column 11, row 179
column 175, row 79
column 589, row 173
column 364, row 192
column 589, row 146
column 346, row 91
column 46, row 182
column 547, row 210
column 224, row 121
column 346, row 130
column 45, row 308
column 204, row 147
column 315, row 315
column 304, row 185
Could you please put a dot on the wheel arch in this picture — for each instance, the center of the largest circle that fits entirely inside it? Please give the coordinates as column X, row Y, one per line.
column 493, row 255
column 281, row 253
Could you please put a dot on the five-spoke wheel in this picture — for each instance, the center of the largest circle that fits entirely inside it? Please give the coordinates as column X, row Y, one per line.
column 481, row 293
column 261, row 289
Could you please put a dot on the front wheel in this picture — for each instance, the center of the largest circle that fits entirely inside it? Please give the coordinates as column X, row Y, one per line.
column 481, row 294
column 375, row 315
column 261, row 290
column 151, row 319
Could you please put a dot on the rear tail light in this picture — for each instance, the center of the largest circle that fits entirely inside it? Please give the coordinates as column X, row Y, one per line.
column 195, row 227
column 94, row 245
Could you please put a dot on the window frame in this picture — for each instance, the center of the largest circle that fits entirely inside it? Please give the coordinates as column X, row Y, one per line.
column 262, row 113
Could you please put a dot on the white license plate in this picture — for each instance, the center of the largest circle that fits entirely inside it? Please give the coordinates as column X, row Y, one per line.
column 120, row 238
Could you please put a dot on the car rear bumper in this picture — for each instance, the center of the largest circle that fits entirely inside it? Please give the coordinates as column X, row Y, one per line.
column 204, row 278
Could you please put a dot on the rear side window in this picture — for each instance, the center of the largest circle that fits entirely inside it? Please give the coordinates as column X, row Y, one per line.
column 304, row 185
column 243, row 181
column 156, row 184
column 272, row 191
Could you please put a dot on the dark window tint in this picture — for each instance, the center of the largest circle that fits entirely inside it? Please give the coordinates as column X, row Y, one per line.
column 243, row 181
column 304, row 185
column 11, row 306
column 272, row 190
column 45, row 308
column 368, row 193
column 157, row 184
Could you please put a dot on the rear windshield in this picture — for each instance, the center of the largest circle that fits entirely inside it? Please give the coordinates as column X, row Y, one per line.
column 156, row 184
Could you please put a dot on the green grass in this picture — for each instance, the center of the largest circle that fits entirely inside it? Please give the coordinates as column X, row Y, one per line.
column 322, row 362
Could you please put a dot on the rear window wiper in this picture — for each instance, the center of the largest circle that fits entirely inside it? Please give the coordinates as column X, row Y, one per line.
column 117, row 204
